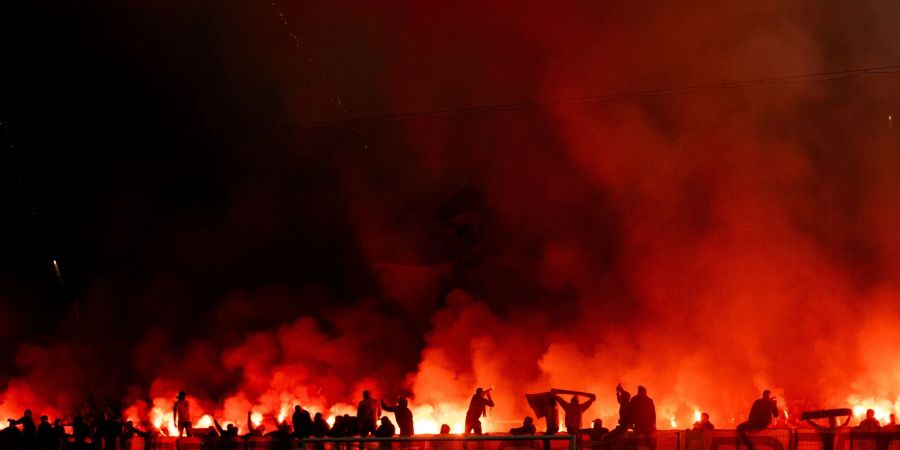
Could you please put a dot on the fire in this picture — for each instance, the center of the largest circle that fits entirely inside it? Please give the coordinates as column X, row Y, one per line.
column 205, row 422
column 428, row 419
column 256, row 418
column 883, row 407
column 697, row 415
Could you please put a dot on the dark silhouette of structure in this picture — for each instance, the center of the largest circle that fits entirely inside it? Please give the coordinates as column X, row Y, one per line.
column 367, row 412
column 181, row 414
column 761, row 414
column 477, row 409
column 574, row 410
column 643, row 412
column 402, row 414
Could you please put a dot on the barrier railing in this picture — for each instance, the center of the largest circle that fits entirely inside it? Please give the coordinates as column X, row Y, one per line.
column 769, row 439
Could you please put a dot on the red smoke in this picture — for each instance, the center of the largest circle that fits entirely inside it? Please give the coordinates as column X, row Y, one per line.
column 707, row 245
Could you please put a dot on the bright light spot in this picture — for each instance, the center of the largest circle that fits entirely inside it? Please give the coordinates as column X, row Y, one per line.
column 205, row 421
column 672, row 422
column 256, row 418
column 697, row 414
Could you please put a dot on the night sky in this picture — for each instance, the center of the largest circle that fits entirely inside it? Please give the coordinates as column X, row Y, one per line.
column 214, row 176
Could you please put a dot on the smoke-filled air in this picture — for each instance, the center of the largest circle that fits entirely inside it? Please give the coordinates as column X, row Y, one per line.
column 703, row 199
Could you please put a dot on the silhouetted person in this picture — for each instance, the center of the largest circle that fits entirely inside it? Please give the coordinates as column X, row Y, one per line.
column 761, row 414
column 477, row 409
column 302, row 422
column 386, row 429
column 80, row 431
column 59, row 433
column 29, row 430
column 574, row 411
column 45, row 434
column 526, row 428
column 623, row 397
column 282, row 432
column 402, row 414
column 320, row 426
column 11, row 436
column 228, row 433
column 892, row 424
column 597, row 432
column 108, row 430
column 351, row 426
column 552, row 417
column 445, row 429
column 253, row 430
column 870, row 423
column 130, row 431
column 367, row 412
column 181, row 414
column 338, row 429
column 703, row 424
column 643, row 412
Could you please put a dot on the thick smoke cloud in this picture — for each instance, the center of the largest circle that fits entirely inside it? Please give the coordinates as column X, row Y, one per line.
column 707, row 245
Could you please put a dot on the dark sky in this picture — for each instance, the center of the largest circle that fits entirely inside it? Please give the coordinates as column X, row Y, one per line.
column 196, row 169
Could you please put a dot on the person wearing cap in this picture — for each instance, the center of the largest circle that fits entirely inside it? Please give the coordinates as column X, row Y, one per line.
column 385, row 430
column 597, row 432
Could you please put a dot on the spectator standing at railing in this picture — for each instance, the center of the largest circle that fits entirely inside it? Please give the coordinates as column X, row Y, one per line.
column 29, row 430
column 552, row 417
column 367, row 413
column 477, row 409
column 181, row 414
column 892, row 424
column 870, row 423
column 643, row 412
column 761, row 414
column 302, row 422
column 402, row 414
column 574, row 411
column 45, row 434
column 703, row 424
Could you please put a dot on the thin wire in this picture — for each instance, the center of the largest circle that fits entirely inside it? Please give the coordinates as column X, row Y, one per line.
column 805, row 78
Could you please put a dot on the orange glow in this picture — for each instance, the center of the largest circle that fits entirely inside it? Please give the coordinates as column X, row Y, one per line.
column 883, row 408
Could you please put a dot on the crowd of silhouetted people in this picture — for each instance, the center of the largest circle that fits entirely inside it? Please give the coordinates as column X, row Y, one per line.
column 108, row 430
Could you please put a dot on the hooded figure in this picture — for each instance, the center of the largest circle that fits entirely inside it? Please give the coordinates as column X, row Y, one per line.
column 643, row 412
